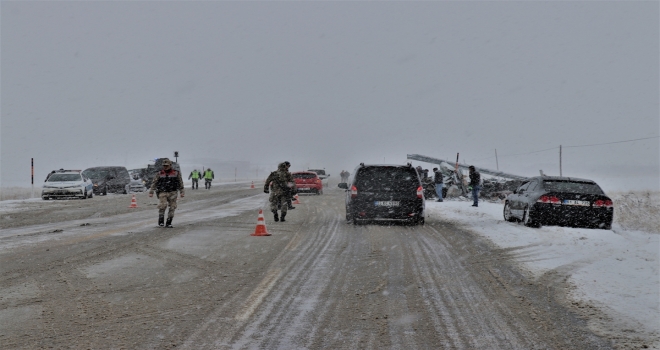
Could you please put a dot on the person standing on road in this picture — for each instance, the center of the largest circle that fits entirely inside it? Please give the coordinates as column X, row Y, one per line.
column 277, row 184
column 166, row 184
column 195, row 175
column 475, row 183
column 208, row 177
column 437, row 178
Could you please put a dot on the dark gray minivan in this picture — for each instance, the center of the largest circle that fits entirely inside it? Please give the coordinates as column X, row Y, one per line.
column 109, row 179
column 384, row 193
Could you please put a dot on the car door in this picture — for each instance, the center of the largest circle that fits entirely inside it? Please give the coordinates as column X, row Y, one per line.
column 515, row 200
column 529, row 197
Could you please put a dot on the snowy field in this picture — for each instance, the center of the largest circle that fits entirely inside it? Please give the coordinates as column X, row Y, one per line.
column 612, row 274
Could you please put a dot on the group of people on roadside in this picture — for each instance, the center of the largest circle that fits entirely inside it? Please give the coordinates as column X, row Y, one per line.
column 196, row 175
column 438, row 179
column 344, row 175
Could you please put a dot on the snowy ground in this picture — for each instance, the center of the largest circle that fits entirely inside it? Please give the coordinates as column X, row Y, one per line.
column 615, row 270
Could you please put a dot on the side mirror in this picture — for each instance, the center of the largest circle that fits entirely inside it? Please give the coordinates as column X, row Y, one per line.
column 343, row 185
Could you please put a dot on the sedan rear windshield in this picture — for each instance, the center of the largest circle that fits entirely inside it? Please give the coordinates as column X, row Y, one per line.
column 572, row 187
column 304, row 176
column 64, row 177
column 386, row 179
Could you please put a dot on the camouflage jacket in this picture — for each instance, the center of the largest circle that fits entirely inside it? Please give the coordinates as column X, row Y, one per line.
column 281, row 181
column 167, row 181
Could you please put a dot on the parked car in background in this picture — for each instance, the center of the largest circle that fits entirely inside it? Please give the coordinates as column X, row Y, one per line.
column 67, row 183
column 384, row 193
column 109, row 179
column 564, row 201
column 307, row 182
column 320, row 172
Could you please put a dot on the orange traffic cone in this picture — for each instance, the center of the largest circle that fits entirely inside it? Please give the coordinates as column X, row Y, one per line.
column 261, row 226
column 252, row 186
column 296, row 201
column 133, row 203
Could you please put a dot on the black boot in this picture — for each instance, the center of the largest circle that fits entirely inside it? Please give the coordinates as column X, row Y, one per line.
column 161, row 220
column 276, row 218
column 169, row 223
column 283, row 216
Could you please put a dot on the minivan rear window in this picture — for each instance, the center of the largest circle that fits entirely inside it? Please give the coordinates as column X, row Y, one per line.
column 572, row 187
column 387, row 179
column 304, row 176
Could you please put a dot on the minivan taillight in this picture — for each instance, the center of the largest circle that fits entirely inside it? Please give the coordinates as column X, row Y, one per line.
column 603, row 203
column 420, row 192
column 353, row 191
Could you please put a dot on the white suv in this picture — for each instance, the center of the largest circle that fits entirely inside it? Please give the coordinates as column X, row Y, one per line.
column 320, row 172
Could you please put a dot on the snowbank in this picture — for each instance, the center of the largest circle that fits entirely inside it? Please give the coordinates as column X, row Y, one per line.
column 614, row 270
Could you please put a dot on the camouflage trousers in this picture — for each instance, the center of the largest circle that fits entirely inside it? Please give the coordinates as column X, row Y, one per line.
column 165, row 199
column 278, row 201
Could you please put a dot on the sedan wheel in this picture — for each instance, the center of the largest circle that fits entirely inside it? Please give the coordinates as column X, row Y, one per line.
column 527, row 219
column 507, row 213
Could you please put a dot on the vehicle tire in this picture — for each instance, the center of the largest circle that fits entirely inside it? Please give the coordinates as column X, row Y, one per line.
column 527, row 219
column 105, row 190
column 84, row 196
column 507, row 213
column 605, row 226
column 91, row 194
column 421, row 221
column 46, row 198
column 319, row 192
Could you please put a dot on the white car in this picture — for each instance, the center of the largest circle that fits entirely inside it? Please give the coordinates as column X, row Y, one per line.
column 67, row 184
column 320, row 172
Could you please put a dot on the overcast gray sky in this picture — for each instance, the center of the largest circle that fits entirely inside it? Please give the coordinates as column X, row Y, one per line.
column 332, row 84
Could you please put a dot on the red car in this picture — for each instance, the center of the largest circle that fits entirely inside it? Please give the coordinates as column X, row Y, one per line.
column 307, row 182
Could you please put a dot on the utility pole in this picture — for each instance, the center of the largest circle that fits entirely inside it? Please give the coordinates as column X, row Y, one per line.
column 497, row 164
column 32, row 171
column 560, row 174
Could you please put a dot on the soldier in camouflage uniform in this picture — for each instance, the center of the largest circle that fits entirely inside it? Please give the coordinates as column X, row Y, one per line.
column 166, row 184
column 279, row 182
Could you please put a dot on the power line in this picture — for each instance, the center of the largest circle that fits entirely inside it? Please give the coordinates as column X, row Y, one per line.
column 609, row 143
column 549, row 149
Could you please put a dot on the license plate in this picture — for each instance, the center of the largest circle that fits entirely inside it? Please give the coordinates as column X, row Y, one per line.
column 303, row 189
column 386, row 203
column 576, row 202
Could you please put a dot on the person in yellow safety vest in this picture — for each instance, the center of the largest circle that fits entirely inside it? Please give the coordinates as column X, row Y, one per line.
column 208, row 177
column 195, row 175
